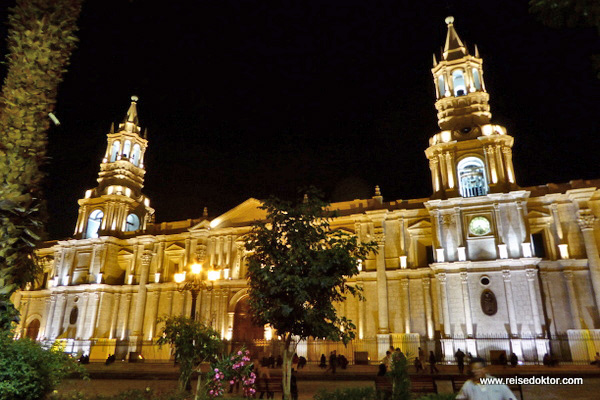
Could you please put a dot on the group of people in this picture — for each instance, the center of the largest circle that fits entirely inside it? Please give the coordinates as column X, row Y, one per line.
column 335, row 360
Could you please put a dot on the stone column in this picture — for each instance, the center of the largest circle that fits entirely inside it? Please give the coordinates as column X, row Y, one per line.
column 126, row 312
column 466, row 303
column 531, row 275
column 50, row 317
column 140, row 306
column 586, row 222
column 510, row 304
column 114, row 315
column 82, row 315
column 405, row 304
column 428, row 309
column 444, row 294
column 361, row 313
column 95, row 297
column 155, row 299
column 382, row 289
column 573, row 303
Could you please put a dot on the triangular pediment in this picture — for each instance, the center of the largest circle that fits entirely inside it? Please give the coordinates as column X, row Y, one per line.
column 202, row 225
column 537, row 214
column 125, row 251
column 244, row 214
column 421, row 224
column 175, row 247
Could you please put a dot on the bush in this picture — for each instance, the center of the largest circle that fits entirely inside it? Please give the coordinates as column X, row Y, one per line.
column 30, row 372
column 361, row 393
column 126, row 395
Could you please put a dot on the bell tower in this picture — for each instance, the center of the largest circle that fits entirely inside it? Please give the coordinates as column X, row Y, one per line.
column 117, row 204
column 470, row 156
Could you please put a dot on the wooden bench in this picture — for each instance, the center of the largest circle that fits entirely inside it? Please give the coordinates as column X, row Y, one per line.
column 422, row 384
column 270, row 386
column 383, row 387
column 459, row 381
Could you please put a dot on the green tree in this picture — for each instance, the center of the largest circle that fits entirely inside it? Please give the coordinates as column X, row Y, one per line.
column 30, row 372
column 400, row 379
column 194, row 344
column 41, row 37
column 299, row 270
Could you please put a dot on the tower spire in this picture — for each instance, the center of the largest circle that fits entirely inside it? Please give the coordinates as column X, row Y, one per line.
column 132, row 115
column 454, row 48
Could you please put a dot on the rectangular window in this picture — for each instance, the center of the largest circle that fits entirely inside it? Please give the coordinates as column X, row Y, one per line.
column 539, row 246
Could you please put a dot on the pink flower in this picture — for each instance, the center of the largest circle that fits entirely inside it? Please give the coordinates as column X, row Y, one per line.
column 216, row 369
column 232, row 382
column 239, row 353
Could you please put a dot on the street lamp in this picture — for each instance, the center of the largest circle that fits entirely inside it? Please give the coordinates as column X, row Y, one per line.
column 194, row 283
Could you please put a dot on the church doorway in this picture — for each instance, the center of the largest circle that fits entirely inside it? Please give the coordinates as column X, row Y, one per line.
column 243, row 328
column 33, row 329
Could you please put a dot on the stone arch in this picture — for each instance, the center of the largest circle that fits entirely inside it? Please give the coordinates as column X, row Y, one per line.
column 235, row 298
column 33, row 325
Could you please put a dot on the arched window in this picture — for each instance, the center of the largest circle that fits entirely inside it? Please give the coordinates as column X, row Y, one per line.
column 126, row 149
column 458, row 82
column 74, row 315
column 471, row 175
column 132, row 223
column 93, row 224
column 476, row 79
column 441, row 86
column 135, row 155
column 114, row 150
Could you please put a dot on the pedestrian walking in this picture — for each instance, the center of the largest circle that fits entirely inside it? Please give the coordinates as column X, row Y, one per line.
column 432, row 362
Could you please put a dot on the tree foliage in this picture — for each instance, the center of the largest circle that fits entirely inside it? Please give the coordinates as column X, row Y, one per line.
column 30, row 372
column 41, row 37
column 194, row 344
column 299, row 269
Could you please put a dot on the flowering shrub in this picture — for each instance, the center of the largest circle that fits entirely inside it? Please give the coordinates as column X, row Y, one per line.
column 232, row 369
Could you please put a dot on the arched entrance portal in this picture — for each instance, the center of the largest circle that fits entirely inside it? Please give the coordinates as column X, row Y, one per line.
column 33, row 329
column 243, row 328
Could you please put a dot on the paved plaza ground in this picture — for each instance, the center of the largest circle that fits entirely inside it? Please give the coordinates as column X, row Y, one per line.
column 163, row 377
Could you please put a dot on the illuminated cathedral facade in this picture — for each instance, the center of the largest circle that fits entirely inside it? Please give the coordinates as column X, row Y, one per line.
column 482, row 265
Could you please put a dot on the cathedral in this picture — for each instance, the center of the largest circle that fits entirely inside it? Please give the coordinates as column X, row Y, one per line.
column 482, row 265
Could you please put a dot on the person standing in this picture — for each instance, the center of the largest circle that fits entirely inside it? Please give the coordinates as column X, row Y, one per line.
column 460, row 360
column 514, row 360
column 432, row 362
column 333, row 361
column 474, row 389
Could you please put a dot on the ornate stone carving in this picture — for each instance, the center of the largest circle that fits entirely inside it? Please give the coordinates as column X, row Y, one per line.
column 201, row 252
column 463, row 277
column 489, row 305
column 441, row 278
column 146, row 257
column 447, row 219
column 530, row 273
column 426, row 283
column 404, row 283
column 586, row 219
column 506, row 275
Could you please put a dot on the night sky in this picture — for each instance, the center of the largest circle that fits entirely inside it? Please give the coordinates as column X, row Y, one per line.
column 256, row 98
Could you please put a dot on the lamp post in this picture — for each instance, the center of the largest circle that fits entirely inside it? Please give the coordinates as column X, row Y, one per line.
column 194, row 283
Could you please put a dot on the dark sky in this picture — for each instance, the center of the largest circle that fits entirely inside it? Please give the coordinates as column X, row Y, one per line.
column 252, row 98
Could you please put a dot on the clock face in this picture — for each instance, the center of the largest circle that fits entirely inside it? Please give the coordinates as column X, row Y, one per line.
column 480, row 226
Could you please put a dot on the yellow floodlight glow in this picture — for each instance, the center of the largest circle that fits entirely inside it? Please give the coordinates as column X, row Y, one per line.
column 196, row 268
column 213, row 275
column 180, row 277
